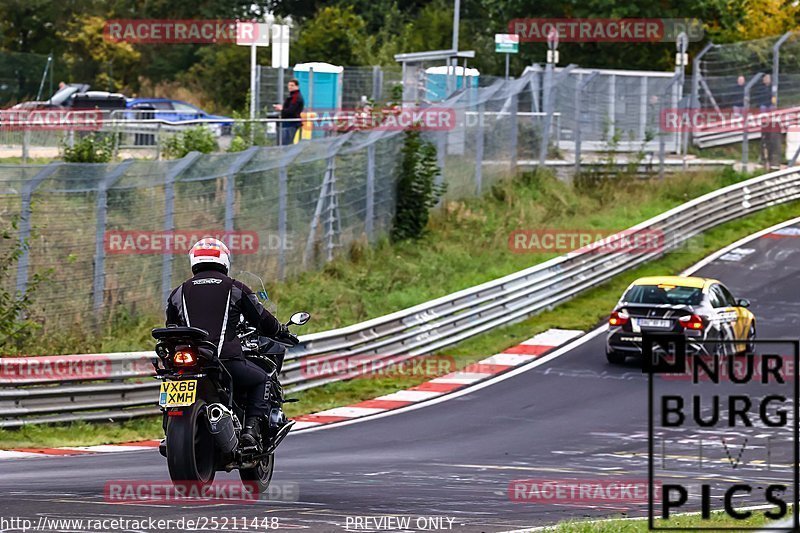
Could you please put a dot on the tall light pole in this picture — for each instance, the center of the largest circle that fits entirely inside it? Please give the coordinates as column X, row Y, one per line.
column 456, row 16
column 453, row 79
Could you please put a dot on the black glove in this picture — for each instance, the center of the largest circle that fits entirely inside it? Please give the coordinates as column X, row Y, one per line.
column 287, row 337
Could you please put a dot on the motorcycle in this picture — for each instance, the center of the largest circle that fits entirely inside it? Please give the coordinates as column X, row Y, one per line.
column 203, row 413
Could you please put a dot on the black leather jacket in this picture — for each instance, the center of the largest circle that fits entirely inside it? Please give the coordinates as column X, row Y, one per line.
column 214, row 302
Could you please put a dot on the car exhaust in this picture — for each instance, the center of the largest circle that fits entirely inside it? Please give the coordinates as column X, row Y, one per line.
column 220, row 423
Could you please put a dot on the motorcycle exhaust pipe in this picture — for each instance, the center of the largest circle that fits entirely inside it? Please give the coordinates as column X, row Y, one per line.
column 220, row 423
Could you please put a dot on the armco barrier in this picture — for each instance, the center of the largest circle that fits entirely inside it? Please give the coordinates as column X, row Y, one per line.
column 419, row 330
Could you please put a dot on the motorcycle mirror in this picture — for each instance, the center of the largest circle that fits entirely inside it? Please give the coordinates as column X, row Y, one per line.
column 262, row 295
column 298, row 319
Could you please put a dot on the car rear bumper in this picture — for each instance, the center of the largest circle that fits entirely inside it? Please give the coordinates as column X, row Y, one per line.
column 628, row 343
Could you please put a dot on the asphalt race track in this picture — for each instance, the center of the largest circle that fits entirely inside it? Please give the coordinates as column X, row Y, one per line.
column 574, row 416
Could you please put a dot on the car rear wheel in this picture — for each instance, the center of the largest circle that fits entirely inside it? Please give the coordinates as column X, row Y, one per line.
column 615, row 358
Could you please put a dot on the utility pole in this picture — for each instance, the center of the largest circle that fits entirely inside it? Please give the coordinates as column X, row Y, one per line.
column 456, row 16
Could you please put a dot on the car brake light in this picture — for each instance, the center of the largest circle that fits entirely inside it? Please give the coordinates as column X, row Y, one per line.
column 691, row 322
column 184, row 358
column 618, row 318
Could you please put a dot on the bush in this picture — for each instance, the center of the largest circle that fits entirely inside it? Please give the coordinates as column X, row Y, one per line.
column 92, row 148
column 195, row 139
column 15, row 324
column 417, row 191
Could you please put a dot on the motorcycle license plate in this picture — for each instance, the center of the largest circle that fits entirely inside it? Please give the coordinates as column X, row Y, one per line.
column 178, row 393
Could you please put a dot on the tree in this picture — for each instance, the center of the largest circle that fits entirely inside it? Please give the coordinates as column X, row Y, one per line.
column 91, row 58
column 335, row 35
column 417, row 191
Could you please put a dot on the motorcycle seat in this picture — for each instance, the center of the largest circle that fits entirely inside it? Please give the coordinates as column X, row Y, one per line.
column 180, row 332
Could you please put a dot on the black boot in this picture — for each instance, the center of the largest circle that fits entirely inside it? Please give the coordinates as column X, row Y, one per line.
column 251, row 434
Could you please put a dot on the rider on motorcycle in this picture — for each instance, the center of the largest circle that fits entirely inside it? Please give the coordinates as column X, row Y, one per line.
column 212, row 301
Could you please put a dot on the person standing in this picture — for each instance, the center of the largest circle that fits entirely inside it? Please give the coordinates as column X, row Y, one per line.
column 290, row 110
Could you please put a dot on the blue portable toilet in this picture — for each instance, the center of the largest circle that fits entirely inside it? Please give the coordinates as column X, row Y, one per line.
column 436, row 81
column 327, row 93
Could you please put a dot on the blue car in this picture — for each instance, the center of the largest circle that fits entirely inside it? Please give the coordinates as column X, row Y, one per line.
column 176, row 111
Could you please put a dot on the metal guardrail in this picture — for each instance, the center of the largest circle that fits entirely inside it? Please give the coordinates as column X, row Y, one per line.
column 422, row 329
column 732, row 134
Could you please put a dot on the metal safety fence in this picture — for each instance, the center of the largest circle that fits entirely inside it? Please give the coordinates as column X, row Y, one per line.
column 112, row 237
column 101, row 389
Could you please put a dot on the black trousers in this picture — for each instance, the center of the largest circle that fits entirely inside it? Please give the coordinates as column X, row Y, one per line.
column 251, row 381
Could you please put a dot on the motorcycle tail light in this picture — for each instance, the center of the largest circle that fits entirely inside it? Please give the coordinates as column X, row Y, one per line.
column 184, row 357
column 618, row 318
column 691, row 322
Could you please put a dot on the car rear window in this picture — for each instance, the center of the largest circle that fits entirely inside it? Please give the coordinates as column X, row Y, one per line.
column 663, row 294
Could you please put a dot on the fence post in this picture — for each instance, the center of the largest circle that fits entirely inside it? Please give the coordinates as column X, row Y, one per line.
column 681, row 45
column 230, row 183
column 536, row 106
column 370, row 215
column 612, row 106
column 26, row 145
column 332, row 220
column 25, row 223
column 169, row 212
column 776, row 56
column 376, row 83
column 514, row 134
column 696, row 79
column 257, row 98
column 101, row 209
column 643, row 110
column 280, row 85
column 580, row 88
column 283, row 203
column 324, row 194
column 745, row 135
column 661, row 136
column 479, row 151
column 158, row 142
column 310, row 89
column 283, row 178
column 551, row 81
column 441, row 149
column 546, row 97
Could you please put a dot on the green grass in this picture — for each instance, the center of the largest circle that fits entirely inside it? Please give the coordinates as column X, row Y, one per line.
column 81, row 434
column 718, row 519
column 582, row 312
column 467, row 244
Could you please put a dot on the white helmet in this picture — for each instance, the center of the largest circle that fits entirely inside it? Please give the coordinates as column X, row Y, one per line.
column 210, row 250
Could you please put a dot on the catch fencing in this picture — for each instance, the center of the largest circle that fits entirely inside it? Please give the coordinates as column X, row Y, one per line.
column 112, row 237
column 760, row 75
column 103, row 391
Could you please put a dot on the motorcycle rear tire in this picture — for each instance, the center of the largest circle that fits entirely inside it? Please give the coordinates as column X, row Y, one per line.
column 190, row 446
